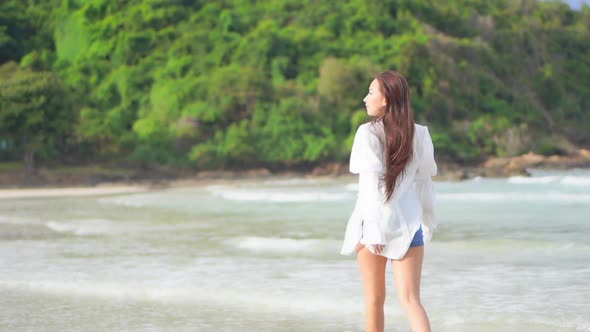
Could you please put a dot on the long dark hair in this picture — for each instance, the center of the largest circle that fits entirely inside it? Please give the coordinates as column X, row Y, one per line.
column 398, row 123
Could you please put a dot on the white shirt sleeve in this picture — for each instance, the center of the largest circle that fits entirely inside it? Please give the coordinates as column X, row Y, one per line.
column 371, row 201
column 365, row 160
column 425, row 186
column 366, row 154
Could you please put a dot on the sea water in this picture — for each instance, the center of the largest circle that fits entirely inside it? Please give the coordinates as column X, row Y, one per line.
column 508, row 255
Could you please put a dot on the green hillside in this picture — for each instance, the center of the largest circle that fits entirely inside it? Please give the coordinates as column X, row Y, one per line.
column 239, row 84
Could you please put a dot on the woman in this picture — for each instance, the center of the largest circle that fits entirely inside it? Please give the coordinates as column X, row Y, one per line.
column 394, row 212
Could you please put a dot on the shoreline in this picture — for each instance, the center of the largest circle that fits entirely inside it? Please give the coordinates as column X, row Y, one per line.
column 49, row 190
column 93, row 181
column 69, row 191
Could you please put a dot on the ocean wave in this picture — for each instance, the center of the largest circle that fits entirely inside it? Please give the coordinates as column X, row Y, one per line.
column 9, row 220
column 83, row 228
column 111, row 227
column 516, row 197
column 16, row 228
column 129, row 201
column 352, row 187
column 292, row 182
column 12, row 232
column 532, row 180
column 266, row 301
column 578, row 181
column 476, row 179
column 252, row 195
column 551, row 247
column 83, row 288
column 276, row 244
column 569, row 180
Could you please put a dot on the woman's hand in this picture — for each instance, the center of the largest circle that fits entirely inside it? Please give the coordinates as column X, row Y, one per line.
column 378, row 248
column 359, row 247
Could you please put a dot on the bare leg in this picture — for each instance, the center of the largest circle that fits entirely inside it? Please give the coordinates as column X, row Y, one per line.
column 373, row 273
column 407, row 273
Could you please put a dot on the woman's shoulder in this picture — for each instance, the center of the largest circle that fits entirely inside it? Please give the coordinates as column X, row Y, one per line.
column 421, row 131
column 375, row 130
column 370, row 128
column 377, row 126
column 368, row 135
column 420, row 128
column 366, row 126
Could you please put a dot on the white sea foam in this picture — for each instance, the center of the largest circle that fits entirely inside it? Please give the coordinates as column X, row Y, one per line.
column 95, row 289
column 352, row 187
column 9, row 220
column 578, row 181
column 550, row 247
column 130, row 201
column 532, row 180
column 477, row 179
column 102, row 226
column 291, row 182
column 253, row 195
column 554, row 197
column 217, row 187
column 250, row 299
column 275, row 244
column 569, row 180
column 316, row 303
column 576, row 323
column 83, row 227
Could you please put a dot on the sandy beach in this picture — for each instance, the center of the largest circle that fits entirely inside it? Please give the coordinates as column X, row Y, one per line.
column 65, row 192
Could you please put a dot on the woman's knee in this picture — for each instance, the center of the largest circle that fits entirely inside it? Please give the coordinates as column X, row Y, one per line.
column 375, row 300
column 409, row 299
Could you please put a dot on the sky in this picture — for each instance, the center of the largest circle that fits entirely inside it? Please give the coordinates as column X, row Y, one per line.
column 577, row 4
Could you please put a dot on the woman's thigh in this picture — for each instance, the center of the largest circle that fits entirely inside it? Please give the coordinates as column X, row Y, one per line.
column 373, row 273
column 407, row 273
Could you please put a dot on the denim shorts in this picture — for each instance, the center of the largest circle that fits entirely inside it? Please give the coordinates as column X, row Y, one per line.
column 418, row 239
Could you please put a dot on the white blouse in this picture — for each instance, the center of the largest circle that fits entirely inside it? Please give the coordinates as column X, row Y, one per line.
column 395, row 222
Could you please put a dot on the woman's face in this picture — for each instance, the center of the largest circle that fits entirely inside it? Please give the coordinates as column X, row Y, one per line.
column 375, row 101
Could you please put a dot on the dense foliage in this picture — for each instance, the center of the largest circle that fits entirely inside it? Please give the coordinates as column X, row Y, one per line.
column 280, row 83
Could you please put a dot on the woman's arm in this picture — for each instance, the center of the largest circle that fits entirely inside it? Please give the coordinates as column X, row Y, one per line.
column 425, row 189
column 371, row 201
column 366, row 161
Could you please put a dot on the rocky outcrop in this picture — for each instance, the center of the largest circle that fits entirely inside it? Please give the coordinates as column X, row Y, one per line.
column 331, row 169
column 502, row 167
column 225, row 174
column 447, row 171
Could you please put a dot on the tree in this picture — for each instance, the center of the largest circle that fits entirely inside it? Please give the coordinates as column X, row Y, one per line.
column 35, row 111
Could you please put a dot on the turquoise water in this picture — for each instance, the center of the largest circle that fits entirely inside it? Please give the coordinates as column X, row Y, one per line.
column 509, row 255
